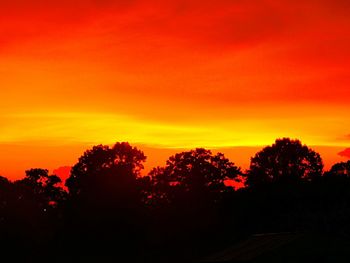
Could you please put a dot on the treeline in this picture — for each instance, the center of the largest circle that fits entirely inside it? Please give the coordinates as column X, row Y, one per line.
column 180, row 212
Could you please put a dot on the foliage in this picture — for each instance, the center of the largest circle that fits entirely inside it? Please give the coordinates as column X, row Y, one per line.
column 197, row 171
column 122, row 163
column 341, row 169
column 177, row 213
column 286, row 160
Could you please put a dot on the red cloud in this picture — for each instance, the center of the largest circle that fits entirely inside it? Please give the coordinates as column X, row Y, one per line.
column 345, row 153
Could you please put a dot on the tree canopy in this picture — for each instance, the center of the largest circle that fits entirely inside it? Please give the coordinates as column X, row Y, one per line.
column 341, row 169
column 121, row 164
column 113, row 212
column 195, row 171
column 286, row 160
column 43, row 185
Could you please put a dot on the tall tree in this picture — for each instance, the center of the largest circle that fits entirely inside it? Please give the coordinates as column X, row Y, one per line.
column 193, row 172
column 104, row 208
column 286, row 160
column 112, row 167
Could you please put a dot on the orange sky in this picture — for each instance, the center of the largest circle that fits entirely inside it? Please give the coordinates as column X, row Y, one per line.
column 171, row 75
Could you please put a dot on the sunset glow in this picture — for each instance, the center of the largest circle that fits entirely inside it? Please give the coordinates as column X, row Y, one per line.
column 168, row 75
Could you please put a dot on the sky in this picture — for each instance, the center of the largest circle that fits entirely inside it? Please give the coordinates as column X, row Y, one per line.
column 229, row 75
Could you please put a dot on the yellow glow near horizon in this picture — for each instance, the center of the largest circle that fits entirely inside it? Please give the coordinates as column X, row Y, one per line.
column 102, row 128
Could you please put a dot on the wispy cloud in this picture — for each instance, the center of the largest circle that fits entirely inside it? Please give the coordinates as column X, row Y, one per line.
column 345, row 153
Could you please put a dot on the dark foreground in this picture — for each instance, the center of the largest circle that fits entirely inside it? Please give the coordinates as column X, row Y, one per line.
column 290, row 210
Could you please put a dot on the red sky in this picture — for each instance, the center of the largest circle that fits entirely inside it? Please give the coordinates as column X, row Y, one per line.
column 171, row 75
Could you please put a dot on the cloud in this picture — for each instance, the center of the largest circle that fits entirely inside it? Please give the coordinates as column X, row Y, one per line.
column 345, row 153
column 198, row 61
column 298, row 32
column 307, row 29
column 215, row 23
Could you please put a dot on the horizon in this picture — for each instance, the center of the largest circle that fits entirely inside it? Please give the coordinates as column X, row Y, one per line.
column 240, row 155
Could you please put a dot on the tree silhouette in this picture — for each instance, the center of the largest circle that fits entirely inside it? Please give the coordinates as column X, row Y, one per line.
column 6, row 196
column 193, row 172
column 178, row 213
column 44, row 186
column 104, row 209
column 185, row 200
column 121, row 163
column 285, row 161
column 30, row 212
column 341, row 169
